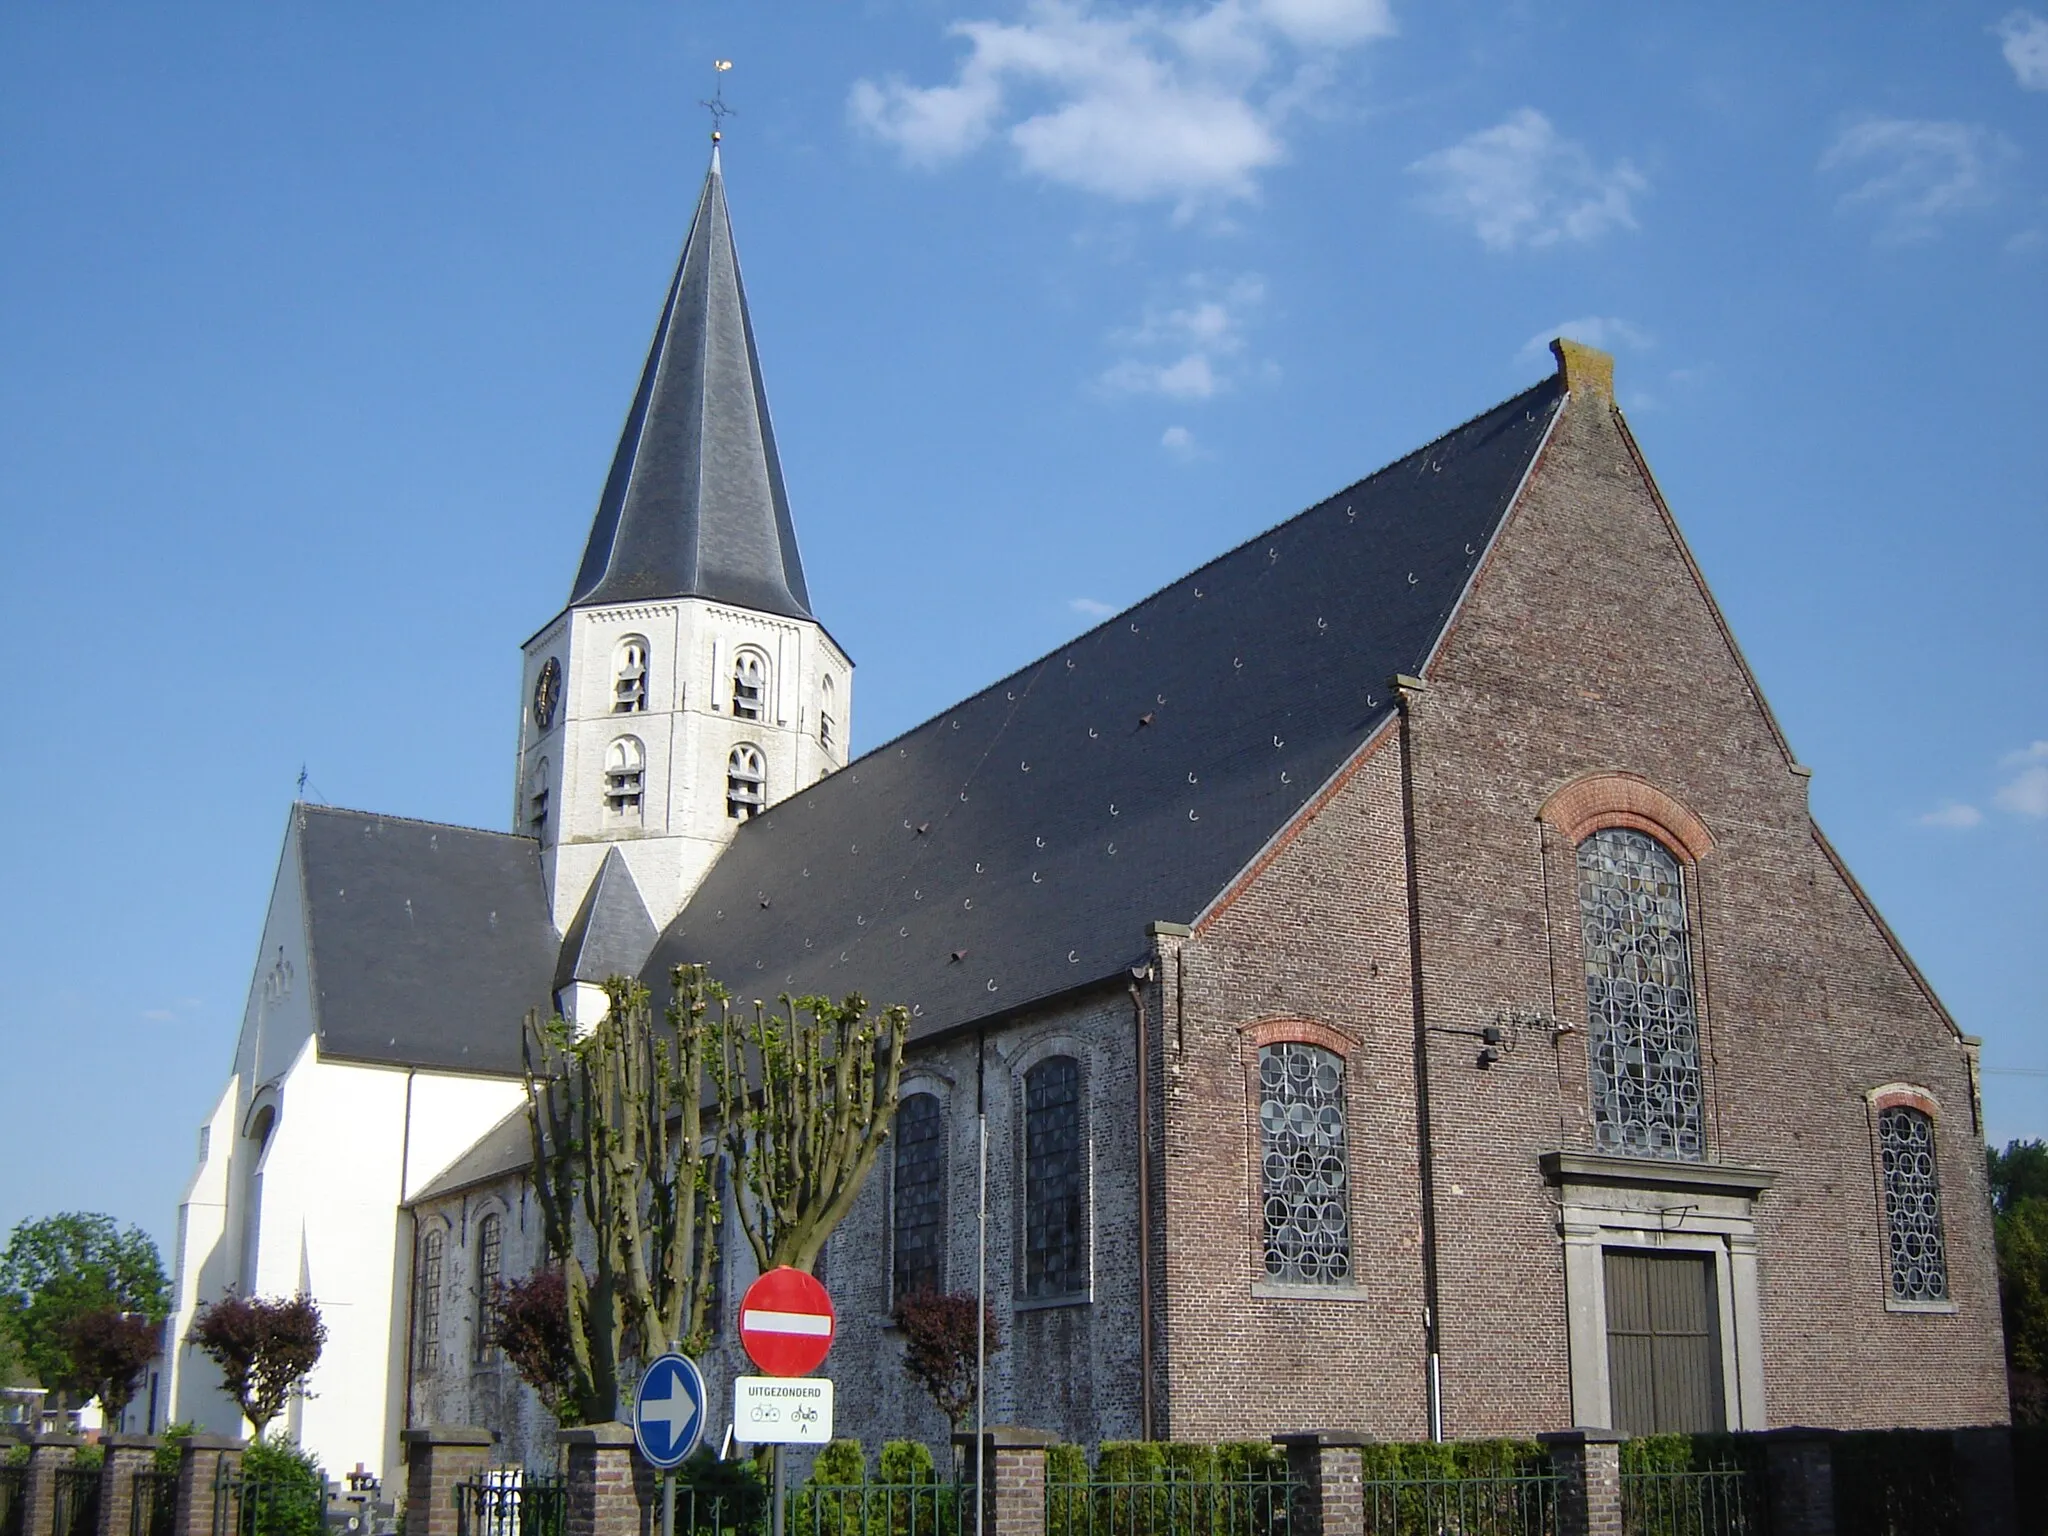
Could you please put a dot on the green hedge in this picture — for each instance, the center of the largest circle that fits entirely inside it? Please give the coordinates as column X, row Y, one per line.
column 1897, row 1482
column 1453, row 1460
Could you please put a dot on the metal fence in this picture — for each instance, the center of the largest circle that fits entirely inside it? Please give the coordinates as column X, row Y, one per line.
column 1715, row 1501
column 77, row 1502
column 1497, row 1504
column 13, row 1499
column 878, row 1509
column 154, row 1509
column 251, row 1504
column 1173, row 1506
column 512, row 1503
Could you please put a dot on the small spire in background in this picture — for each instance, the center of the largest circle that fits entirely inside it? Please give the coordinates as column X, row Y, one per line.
column 715, row 105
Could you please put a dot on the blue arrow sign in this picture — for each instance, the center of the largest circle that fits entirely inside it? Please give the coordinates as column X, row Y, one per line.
column 668, row 1410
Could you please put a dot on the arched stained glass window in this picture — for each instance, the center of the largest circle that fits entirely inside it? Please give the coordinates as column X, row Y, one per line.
column 1305, row 1165
column 1055, row 1181
column 490, row 1271
column 918, row 1208
column 1642, row 1034
column 1912, row 1205
column 427, row 1310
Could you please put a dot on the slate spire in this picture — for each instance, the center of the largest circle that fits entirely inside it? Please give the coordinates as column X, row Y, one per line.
column 694, row 505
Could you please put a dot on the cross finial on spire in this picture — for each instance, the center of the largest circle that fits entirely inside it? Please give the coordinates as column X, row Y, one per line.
column 715, row 105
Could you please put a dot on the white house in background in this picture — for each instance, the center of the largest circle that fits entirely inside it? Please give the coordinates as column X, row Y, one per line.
column 683, row 688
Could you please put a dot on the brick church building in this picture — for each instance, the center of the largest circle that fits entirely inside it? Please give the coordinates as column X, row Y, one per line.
column 1403, row 982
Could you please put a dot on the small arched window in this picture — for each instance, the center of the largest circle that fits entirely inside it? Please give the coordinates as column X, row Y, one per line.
column 1055, row 1181
column 1642, row 1046
column 746, row 782
column 1305, row 1171
column 749, row 686
column 625, row 767
column 918, row 1206
column 1912, row 1204
column 490, row 1272
column 537, row 800
column 629, row 676
column 828, row 727
column 427, row 1311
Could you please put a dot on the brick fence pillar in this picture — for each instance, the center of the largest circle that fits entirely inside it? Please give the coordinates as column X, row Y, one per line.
column 1983, row 1463
column 435, row 1461
column 202, row 1459
column 1800, row 1465
column 611, row 1491
column 1588, row 1463
column 47, row 1456
column 1328, row 1466
column 126, row 1455
column 1014, row 1466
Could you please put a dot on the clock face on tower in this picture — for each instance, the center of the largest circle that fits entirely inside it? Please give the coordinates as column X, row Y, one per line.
column 547, row 694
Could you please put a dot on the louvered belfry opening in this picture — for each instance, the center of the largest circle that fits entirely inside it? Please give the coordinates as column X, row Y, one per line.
column 1663, row 1343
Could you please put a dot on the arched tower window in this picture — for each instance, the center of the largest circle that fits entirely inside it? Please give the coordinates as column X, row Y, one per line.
column 1305, row 1173
column 629, row 676
column 918, row 1206
column 537, row 800
column 1912, row 1204
column 828, row 725
column 490, row 1271
column 427, row 1311
column 746, row 782
column 625, row 767
column 749, row 686
column 1643, row 1035
column 1055, row 1181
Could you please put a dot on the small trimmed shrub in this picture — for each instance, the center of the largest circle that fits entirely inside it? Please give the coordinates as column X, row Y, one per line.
column 169, row 1445
column 284, row 1492
column 908, row 1461
column 841, row 1464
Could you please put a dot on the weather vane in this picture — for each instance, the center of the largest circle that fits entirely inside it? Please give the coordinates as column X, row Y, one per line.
column 716, row 104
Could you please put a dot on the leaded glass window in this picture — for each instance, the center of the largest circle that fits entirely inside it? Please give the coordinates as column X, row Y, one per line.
column 427, row 1326
column 1912, row 1205
column 1306, row 1175
column 1055, row 1181
column 919, row 1211
column 490, row 1266
column 1642, row 1035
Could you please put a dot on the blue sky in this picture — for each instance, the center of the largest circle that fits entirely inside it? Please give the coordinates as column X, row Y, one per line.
column 317, row 325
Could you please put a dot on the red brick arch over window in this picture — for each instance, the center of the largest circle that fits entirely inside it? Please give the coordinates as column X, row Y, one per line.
column 1912, row 1096
column 1599, row 800
column 1301, row 1032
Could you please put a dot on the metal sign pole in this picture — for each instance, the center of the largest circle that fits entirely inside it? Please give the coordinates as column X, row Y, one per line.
column 778, row 1513
column 668, row 1503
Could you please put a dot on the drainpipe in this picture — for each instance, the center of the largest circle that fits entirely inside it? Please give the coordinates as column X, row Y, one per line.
column 1139, row 975
column 1405, row 689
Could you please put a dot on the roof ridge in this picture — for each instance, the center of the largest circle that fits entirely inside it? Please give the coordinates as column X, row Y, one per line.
column 417, row 821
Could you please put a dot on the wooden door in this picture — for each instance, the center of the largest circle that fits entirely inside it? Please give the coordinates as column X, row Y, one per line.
column 1663, row 1343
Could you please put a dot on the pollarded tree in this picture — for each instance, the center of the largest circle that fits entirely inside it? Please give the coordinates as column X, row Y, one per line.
column 616, row 1116
column 111, row 1348
column 941, row 1346
column 265, row 1350
column 806, row 1098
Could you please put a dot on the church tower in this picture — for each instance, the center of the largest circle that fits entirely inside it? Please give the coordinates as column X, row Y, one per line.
column 686, row 686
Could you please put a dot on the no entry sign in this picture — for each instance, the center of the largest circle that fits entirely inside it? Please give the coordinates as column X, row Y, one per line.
column 786, row 1322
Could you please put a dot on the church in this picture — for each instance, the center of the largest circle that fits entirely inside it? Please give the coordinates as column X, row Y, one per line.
column 1402, row 981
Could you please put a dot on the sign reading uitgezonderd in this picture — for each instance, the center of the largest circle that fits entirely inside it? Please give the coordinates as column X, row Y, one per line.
column 782, row 1410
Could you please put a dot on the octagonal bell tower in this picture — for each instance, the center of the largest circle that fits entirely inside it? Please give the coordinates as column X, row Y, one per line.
column 686, row 685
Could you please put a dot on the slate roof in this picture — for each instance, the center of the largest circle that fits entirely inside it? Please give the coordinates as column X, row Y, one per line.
column 429, row 943
column 1015, row 846
column 694, row 505
column 612, row 931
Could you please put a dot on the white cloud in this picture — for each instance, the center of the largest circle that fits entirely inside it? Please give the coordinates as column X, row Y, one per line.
column 2023, row 39
column 1179, row 442
column 1186, row 349
column 1093, row 608
column 1954, row 815
column 1520, row 183
column 1914, row 173
column 2026, row 792
column 1607, row 332
column 1185, row 104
